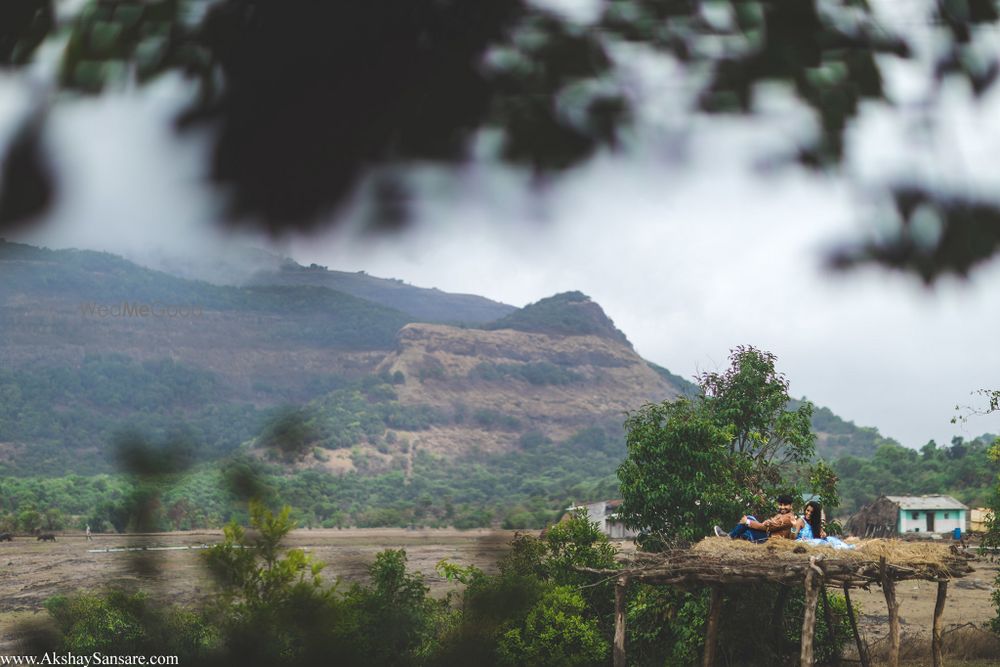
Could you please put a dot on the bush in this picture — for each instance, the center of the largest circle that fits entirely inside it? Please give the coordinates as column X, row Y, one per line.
column 399, row 622
column 121, row 623
column 555, row 633
column 664, row 625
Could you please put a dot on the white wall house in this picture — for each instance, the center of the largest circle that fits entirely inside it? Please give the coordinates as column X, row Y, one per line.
column 603, row 513
column 930, row 514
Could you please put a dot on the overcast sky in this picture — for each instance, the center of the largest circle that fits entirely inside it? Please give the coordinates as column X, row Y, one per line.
column 688, row 245
column 690, row 263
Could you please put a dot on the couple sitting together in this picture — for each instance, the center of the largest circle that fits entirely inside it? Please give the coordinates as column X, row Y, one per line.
column 809, row 527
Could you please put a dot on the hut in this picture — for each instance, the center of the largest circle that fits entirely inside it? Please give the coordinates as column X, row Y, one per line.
column 889, row 516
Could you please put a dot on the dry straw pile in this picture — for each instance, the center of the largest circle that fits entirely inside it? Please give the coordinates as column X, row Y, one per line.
column 897, row 552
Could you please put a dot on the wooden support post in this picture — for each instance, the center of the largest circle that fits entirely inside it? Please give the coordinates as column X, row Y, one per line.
column 942, row 593
column 831, row 631
column 778, row 617
column 889, row 590
column 712, row 626
column 862, row 649
column 813, row 583
column 619, row 650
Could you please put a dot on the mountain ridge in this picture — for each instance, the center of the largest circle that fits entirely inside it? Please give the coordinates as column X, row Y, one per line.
column 555, row 371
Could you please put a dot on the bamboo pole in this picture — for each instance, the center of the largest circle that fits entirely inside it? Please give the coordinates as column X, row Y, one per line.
column 862, row 649
column 712, row 626
column 619, row 649
column 892, row 603
column 812, row 587
column 942, row 593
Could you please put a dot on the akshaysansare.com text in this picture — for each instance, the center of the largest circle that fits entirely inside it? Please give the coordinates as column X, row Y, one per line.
column 88, row 659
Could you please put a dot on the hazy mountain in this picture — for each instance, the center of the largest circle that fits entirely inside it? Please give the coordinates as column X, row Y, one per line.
column 423, row 304
column 94, row 344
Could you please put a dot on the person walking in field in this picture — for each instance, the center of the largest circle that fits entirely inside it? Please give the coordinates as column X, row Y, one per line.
column 749, row 528
column 89, row 537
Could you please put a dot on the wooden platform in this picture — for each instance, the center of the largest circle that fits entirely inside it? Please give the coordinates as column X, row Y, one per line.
column 719, row 562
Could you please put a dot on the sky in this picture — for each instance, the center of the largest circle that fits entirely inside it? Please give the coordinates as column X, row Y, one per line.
column 693, row 238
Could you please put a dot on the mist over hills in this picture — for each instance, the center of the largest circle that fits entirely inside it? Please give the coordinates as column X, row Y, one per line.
column 388, row 372
column 423, row 304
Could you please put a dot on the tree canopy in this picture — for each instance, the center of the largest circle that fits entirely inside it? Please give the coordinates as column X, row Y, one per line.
column 697, row 462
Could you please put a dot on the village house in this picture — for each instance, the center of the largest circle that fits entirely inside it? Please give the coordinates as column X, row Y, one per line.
column 898, row 515
column 605, row 514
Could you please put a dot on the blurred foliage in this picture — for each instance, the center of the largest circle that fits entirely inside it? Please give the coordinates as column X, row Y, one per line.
column 311, row 101
column 936, row 233
column 27, row 182
column 23, row 26
column 110, row 37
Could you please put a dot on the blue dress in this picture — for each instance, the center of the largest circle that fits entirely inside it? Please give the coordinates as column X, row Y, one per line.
column 806, row 535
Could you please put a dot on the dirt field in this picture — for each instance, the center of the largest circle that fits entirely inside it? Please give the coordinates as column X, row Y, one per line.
column 32, row 571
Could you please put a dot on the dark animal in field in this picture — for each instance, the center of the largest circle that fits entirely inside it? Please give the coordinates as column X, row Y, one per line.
column 47, row 537
column 6, row 537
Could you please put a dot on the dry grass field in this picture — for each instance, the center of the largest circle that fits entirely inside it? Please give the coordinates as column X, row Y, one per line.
column 32, row 571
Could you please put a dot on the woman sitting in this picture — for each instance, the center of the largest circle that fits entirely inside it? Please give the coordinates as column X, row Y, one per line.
column 810, row 527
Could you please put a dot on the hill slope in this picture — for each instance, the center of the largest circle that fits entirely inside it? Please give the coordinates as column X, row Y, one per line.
column 422, row 304
column 383, row 389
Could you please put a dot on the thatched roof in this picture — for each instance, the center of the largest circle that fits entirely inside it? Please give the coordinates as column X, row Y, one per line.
column 877, row 519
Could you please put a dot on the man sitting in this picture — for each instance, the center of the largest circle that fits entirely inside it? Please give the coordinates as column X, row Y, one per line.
column 780, row 525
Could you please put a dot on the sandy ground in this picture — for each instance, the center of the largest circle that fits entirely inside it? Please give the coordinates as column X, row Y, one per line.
column 968, row 601
column 32, row 571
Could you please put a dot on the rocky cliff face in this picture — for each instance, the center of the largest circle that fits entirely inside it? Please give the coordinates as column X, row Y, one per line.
column 504, row 384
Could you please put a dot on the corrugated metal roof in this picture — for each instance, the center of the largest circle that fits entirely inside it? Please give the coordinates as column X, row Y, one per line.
column 927, row 503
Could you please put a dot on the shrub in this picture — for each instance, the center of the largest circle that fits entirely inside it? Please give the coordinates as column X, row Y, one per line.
column 398, row 620
column 555, row 633
column 121, row 623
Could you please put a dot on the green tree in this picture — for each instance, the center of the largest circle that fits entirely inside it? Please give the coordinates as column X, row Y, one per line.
column 692, row 463
column 751, row 398
column 275, row 609
column 676, row 480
